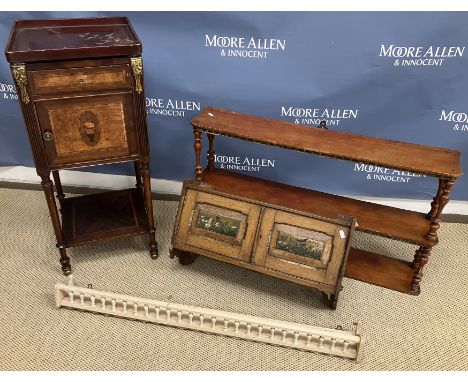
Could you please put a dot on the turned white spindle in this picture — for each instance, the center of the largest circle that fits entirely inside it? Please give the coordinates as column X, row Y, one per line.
column 190, row 318
column 70, row 297
column 296, row 336
column 103, row 302
column 146, row 309
column 332, row 343
column 168, row 314
column 226, row 323
column 285, row 332
column 202, row 318
column 93, row 301
column 249, row 326
column 124, row 306
column 82, row 298
column 321, row 339
column 272, row 333
column 213, row 322
column 236, row 327
column 179, row 316
column 259, row 331
column 345, row 345
column 135, row 308
column 113, row 304
column 309, row 338
column 156, row 310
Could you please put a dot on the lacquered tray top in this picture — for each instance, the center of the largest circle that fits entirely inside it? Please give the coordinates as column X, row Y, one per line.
column 36, row 40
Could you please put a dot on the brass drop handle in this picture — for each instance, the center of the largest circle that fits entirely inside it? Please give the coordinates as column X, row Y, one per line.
column 48, row 136
column 82, row 81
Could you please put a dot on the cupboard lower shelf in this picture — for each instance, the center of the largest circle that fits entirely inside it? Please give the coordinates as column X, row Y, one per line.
column 102, row 216
column 380, row 270
column 374, row 218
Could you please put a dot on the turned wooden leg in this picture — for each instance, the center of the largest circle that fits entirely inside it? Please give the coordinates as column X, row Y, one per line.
column 330, row 300
column 421, row 256
column 211, row 152
column 197, row 145
column 58, row 187
column 435, row 202
column 185, row 258
column 49, row 193
column 145, row 173
column 138, row 184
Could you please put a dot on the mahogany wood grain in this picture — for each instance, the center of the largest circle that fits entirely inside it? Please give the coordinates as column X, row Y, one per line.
column 374, row 218
column 412, row 157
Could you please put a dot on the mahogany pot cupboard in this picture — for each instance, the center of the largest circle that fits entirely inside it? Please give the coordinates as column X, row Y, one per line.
column 80, row 86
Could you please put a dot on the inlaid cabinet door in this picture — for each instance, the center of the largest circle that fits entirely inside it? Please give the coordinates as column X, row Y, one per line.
column 218, row 224
column 301, row 246
column 87, row 128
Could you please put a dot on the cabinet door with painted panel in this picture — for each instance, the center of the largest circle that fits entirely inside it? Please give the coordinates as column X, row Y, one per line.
column 221, row 225
column 301, row 246
column 87, row 128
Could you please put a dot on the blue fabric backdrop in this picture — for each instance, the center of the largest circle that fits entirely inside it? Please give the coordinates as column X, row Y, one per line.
column 394, row 75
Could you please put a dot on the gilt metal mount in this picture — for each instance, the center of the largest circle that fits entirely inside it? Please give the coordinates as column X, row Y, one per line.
column 19, row 74
column 137, row 67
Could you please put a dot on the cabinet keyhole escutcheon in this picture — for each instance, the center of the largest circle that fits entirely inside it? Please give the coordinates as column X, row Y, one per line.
column 48, row 136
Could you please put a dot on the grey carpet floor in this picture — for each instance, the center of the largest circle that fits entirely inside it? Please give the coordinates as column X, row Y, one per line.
column 428, row 332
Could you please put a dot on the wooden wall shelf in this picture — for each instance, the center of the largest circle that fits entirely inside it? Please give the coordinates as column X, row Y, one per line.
column 412, row 157
column 399, row 224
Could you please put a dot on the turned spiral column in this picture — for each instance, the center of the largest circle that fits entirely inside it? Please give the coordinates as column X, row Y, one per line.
column 211, row 152
column 421, row 256
column 197, row 145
